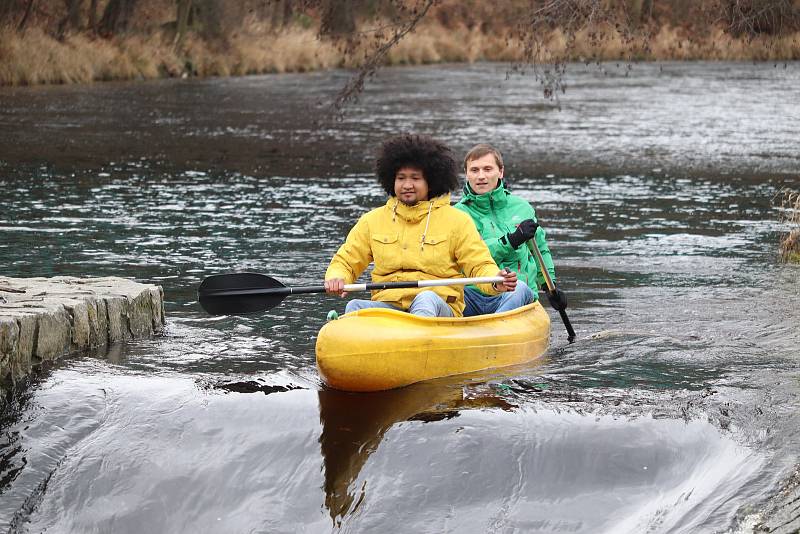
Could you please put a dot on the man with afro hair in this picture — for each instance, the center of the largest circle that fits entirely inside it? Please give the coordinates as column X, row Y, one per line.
column 416, row 235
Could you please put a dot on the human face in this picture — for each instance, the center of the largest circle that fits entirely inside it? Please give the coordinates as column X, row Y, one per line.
column 483, row 174
column 410, row 185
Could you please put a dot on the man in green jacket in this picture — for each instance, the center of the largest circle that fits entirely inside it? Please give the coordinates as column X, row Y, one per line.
column 507, row 223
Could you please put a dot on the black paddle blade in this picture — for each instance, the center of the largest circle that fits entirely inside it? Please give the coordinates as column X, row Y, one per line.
column 240, row 293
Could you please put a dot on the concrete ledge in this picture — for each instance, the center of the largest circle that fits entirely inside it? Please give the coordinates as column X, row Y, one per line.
column 44, row 318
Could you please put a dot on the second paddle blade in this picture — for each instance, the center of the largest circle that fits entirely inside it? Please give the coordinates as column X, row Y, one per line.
column 227, row 294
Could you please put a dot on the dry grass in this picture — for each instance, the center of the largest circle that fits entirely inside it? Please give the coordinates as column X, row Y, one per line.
column 436, row 44
column 790, row 247
column 668, row 43
column 297, row 51
column 35, row 57
column 789, row 203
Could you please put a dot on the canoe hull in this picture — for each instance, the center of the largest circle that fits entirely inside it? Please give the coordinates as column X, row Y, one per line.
column 377, row 349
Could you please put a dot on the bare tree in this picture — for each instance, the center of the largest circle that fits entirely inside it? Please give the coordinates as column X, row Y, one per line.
column 72, row 20
column 338, row 18
column 7, row 8
column 639, row 11
column 93, row 15
column 26, row 17
column 679, row 11
column 184, row 8
column 405, row 22
column 117, row 17
column 755, row 17
column 280, row 13
column 210, row 14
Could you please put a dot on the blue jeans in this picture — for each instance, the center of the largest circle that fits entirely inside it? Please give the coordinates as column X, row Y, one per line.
column 425, row 304
column 480, row 304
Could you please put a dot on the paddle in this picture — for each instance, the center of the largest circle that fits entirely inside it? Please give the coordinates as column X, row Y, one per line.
column 550, row 288
column 240, row 293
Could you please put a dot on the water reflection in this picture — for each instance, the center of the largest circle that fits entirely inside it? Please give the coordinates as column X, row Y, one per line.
column 405, row 456
column 352, row 428
column 353, row 424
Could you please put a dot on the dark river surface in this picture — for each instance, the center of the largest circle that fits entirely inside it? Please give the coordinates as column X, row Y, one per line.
column 676, row 410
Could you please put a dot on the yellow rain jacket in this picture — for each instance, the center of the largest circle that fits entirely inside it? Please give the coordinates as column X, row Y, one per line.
column 429, row 240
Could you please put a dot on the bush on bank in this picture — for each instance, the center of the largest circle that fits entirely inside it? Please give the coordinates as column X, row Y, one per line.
column 789, row 203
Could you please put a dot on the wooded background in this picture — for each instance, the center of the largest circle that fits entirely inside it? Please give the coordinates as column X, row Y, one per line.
column 217, row 19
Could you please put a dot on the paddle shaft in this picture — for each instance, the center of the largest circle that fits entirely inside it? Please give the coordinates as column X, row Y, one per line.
column 551, row 287
column 283, row 291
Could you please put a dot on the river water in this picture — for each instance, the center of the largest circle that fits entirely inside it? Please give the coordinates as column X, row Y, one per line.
column 674, row 411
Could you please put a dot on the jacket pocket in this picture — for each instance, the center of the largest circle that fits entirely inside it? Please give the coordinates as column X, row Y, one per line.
column 385, row 251
column 435, row 255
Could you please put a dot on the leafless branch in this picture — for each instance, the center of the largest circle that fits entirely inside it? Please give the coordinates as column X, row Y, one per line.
column 355, row 85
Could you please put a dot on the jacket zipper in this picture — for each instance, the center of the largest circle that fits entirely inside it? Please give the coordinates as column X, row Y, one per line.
column 495, row 222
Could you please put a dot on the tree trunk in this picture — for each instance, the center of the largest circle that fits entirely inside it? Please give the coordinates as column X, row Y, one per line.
column 6, row 11
column 117, row 16
column 281, row 14
column 73, row 19
column 26, row 16
column 93, row 16
column 338, row 18
column 209, row 14
column 635, row 11
column 184, row 7
column 680, row 12
column 647, row 10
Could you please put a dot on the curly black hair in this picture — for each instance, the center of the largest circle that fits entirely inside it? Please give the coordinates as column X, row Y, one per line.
column 436, row 161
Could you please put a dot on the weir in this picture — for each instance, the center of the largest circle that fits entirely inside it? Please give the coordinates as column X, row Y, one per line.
column 42, row 319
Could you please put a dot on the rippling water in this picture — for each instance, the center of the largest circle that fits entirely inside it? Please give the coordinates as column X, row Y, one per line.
column 675, row 411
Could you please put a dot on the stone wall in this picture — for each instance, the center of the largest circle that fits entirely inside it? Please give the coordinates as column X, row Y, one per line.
column 44, row 318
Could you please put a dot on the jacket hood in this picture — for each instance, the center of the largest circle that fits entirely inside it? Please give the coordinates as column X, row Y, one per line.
column 418, row 211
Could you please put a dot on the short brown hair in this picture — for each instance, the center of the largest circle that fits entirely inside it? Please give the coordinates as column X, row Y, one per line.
column 478, row 151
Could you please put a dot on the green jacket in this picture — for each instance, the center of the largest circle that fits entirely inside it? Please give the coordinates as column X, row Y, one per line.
column 498, row 213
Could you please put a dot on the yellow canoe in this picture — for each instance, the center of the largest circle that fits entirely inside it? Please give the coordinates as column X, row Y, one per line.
column 376, row 349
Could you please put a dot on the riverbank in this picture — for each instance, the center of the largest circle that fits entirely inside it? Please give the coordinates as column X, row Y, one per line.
column 43, row 319
column 34, row 57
